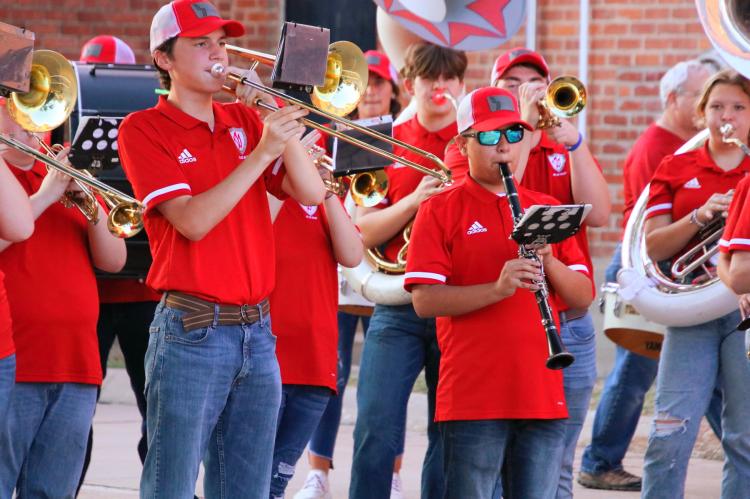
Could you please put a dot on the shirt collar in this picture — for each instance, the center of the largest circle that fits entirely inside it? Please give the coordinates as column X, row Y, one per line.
column 479, row 192
column 704, row 160
column 222, row 119
column 445, row 133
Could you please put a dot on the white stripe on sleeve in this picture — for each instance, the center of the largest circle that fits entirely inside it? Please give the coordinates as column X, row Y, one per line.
column 425, row 275
column 164, row 190
column 578, row 267
column 656, row 207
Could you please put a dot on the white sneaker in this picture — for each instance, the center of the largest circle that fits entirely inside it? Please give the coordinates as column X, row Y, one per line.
column 315, row 487
column 396, row 487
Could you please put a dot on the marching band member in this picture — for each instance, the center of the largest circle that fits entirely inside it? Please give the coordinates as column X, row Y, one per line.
column 398, row 343
column 16, row 225
column 494, row 392
column 202, row 170
column 52, row 295
column 560, row 164
column 687, row 191
column 631, row 377
column 306, row 282
column 126, row 306
column 380, row 98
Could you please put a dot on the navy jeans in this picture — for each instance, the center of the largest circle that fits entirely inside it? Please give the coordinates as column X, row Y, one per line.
column 323, row 438
column 43, row 439
column 398, row 345
column 7, row 380
column 212, row 393
column 528, row 450
column 299, row 414
column 622, row 400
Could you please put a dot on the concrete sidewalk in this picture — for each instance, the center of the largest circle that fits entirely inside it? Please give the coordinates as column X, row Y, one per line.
column 115, row 468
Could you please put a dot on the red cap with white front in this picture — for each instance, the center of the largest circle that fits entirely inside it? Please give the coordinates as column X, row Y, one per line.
column 107, row 49
column 488, row 108
column 189, row 18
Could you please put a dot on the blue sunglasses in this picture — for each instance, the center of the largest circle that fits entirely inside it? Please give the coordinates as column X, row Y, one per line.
column 512, row 134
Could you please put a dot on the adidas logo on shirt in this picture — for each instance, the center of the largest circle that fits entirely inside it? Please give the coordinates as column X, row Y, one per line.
column 476, row 228
column 692, row 184
column 185, row 157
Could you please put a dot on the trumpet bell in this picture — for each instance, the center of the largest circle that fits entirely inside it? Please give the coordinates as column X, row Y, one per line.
column 566, row 96
column 53, row 91
column 125, row 219
column 368, row 189
column 345, row 80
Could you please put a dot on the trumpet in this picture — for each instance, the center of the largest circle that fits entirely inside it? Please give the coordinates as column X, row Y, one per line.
column 565, row 97
column 48, row 103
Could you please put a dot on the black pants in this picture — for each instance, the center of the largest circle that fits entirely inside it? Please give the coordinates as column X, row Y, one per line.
column 129, row 323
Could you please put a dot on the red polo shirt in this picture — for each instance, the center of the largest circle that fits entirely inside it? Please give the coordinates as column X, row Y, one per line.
column 167, row 153
column 736, row 236
column 403, row 180
column 51, row 290
column 685, row 182
column 304, row 302
column 647, row 152
column 6, row 330
column 492, row 363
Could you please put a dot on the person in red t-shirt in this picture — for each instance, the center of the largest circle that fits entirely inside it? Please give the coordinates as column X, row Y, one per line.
column 306, row 282
column 16, row 225
column 52, row 296
column 126, row 306
column 398, row 343
column 686, row 192
column 202, row 170
column 463, row 268
column 633, row 375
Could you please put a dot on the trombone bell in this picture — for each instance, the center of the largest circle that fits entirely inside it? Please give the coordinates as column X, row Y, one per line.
column 368, row 189
column 345, row 80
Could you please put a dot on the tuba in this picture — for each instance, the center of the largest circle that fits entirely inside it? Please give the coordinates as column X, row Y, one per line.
column 657, row 296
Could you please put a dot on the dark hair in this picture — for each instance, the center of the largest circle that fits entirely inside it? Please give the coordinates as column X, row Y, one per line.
column 726, row 77
column 168, row 48
column 432, row 61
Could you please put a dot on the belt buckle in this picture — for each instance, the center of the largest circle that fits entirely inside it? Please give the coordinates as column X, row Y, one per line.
column 243, row 312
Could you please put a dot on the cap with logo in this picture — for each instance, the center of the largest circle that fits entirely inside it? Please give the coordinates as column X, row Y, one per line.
column 516, row 56
column 107, row 49
column 189, row 18
column 489, row 108
column 378, row 63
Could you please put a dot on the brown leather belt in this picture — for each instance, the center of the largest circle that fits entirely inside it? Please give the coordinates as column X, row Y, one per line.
column 572, row 314
column 200, row 313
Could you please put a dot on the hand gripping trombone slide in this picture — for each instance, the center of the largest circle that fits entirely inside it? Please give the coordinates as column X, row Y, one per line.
column 559, row 358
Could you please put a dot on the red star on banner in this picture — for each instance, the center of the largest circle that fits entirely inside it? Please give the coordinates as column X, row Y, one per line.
column 422, row 22
column 491, row 11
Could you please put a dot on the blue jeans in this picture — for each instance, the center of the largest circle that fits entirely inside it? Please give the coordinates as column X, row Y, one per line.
column 398, row 345
column 621, row 403
column 299, row 414
column 693, row 360
column 474, row 452
column 211, row 393
column 7, row 380
column 44, row 437
column 323, row 438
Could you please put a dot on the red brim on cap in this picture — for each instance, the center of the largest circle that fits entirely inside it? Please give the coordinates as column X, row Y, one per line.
column 495, row 123
column 231, row 28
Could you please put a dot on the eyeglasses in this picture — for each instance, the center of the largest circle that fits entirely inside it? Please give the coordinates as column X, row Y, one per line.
column 512, row 134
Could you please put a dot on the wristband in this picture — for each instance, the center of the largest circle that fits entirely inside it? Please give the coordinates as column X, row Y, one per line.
column 576, row 145
column 694, row 219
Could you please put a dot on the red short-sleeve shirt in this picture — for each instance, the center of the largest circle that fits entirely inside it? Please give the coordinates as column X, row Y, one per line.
column 304, row 302
column 52, row 294
column 403, row 180
column 492, row 363
column 644, row 157
column 684, row 182
column 736, row 236
column 167, row 153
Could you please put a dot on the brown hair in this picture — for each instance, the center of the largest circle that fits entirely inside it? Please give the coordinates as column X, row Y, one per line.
column 432, row 61
column 726, row 77
column 168, row 48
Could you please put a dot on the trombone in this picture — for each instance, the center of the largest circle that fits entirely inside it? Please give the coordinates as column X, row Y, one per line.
column 337, row 97
column 48, row 103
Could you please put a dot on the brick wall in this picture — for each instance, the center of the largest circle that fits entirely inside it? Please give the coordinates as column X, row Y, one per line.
column 632, row 42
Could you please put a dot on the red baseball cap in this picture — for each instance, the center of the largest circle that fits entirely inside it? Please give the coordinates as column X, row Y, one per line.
column 378, row 63
column 107, row 49
column 488, row 108
column 517, row 56
column 189, row 18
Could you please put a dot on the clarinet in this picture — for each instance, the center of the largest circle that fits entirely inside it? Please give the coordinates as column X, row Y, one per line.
column 559, row 357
